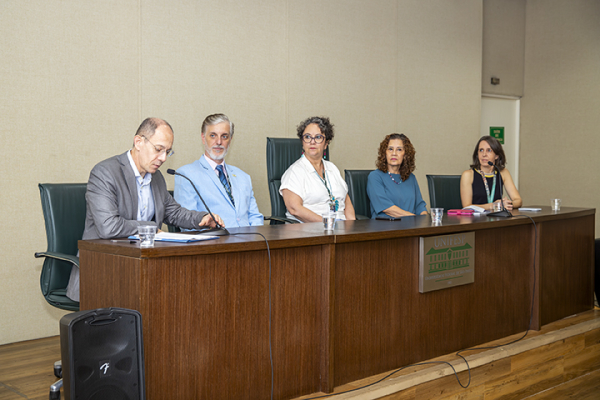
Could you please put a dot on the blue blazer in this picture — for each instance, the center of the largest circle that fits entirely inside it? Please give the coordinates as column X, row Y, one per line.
column 207, row 182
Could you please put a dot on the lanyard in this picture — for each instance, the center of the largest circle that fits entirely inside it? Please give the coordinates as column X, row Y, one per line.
column 334, row 205
column 490, row 196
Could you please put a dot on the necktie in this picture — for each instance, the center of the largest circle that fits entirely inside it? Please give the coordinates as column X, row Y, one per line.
column 223, row 180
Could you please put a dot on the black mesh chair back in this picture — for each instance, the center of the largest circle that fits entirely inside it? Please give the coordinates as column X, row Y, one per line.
column 444, row 191
column 356, row 179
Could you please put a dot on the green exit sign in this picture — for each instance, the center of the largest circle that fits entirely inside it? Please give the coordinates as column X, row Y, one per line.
column 498, row 133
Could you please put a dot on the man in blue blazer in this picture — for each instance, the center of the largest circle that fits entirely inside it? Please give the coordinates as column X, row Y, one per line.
column 126, row 191
column 227, row 190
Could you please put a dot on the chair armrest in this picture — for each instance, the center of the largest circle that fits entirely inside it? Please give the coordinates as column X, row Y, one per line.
column 58, row 256
column 281, row 219
column 359, row 217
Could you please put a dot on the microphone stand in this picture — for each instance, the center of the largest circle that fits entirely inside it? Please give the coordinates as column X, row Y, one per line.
column 219, row 230
column 504, row 213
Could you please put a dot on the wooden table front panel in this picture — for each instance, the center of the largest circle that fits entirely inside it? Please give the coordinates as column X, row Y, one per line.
column 206, row 319
column 382, row 322
column 344, row 307
column 566, row 267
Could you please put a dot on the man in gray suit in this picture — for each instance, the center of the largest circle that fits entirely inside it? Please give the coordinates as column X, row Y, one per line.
column 126, row 191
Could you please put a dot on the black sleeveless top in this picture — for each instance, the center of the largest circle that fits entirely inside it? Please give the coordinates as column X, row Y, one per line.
column 479, row 193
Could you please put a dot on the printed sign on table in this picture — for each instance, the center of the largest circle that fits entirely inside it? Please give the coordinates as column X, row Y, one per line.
column 446, row 261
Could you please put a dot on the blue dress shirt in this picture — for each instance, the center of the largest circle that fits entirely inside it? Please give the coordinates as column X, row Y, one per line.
column 144, row 191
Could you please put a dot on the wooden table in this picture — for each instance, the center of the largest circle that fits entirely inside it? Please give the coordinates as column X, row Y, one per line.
column 342, row 306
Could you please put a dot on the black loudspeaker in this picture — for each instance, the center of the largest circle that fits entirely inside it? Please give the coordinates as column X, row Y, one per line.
column 102, row 355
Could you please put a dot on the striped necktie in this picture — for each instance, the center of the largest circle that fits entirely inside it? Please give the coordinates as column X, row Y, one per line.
column 223, row 180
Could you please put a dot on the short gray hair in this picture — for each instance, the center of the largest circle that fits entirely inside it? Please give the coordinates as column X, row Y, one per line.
column 216, row 119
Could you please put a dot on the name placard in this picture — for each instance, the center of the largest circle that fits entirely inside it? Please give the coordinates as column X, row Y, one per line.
column 446, row 261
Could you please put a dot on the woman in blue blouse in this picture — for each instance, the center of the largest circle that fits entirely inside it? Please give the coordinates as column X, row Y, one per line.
column 392, row 187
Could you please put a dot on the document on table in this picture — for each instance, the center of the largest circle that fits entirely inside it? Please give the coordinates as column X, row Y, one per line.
column 178, row 237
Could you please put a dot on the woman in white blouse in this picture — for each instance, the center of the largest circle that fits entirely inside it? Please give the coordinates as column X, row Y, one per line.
column 312, row 187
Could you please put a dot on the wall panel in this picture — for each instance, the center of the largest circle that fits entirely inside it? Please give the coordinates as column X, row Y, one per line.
column 77, row 78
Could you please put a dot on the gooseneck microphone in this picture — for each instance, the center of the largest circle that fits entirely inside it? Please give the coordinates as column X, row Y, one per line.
column 504, row 213
column 219, row 230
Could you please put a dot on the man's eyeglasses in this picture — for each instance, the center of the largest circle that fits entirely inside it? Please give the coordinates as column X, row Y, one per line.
column 318, row 138
column 158, row 150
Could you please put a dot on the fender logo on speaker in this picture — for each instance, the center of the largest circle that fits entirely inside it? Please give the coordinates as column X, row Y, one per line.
column 104, row 366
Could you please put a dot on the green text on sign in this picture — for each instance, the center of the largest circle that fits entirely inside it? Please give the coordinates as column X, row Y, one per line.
column 498, row 133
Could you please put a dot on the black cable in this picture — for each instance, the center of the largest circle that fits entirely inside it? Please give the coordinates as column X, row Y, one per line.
column 387, row 376
column 270, row 307
column 458, row 353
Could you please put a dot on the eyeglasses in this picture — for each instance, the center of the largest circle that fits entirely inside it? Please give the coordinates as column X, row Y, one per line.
column 318, row 138
column 158, row 150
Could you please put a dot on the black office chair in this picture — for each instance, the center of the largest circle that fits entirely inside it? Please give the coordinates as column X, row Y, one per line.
column 356, row 179
column 63, row 205
column 172, row 228
column 444, row 191
column 281, row 153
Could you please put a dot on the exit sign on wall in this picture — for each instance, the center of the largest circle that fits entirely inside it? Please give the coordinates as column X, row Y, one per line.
column 498, row 133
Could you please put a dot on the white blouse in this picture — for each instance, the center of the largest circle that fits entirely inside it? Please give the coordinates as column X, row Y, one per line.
column 302, row 179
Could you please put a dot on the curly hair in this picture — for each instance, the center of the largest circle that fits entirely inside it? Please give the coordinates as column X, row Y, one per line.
column 408, row 162
column 496, row 148
column 324, row 124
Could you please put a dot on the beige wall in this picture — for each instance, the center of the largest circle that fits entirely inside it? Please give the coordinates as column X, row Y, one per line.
column 69, row 96
column 77, row 78
column 560, row 109
column 503, row 46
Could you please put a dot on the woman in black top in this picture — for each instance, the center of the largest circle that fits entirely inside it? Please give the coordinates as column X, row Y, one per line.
column 480, row 185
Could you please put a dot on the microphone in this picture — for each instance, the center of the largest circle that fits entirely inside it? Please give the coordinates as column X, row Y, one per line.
column 219, row 230
column 504, row 213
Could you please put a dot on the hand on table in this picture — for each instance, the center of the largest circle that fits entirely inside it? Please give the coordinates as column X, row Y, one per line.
column 208, row 221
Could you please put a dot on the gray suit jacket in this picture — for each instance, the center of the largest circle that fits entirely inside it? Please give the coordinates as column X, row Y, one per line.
column 112, row 202
column 112, row 205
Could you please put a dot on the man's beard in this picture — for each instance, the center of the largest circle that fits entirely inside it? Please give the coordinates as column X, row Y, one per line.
column 218, row 157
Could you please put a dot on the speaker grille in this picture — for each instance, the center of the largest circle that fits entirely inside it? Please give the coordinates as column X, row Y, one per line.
column 103, row 350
